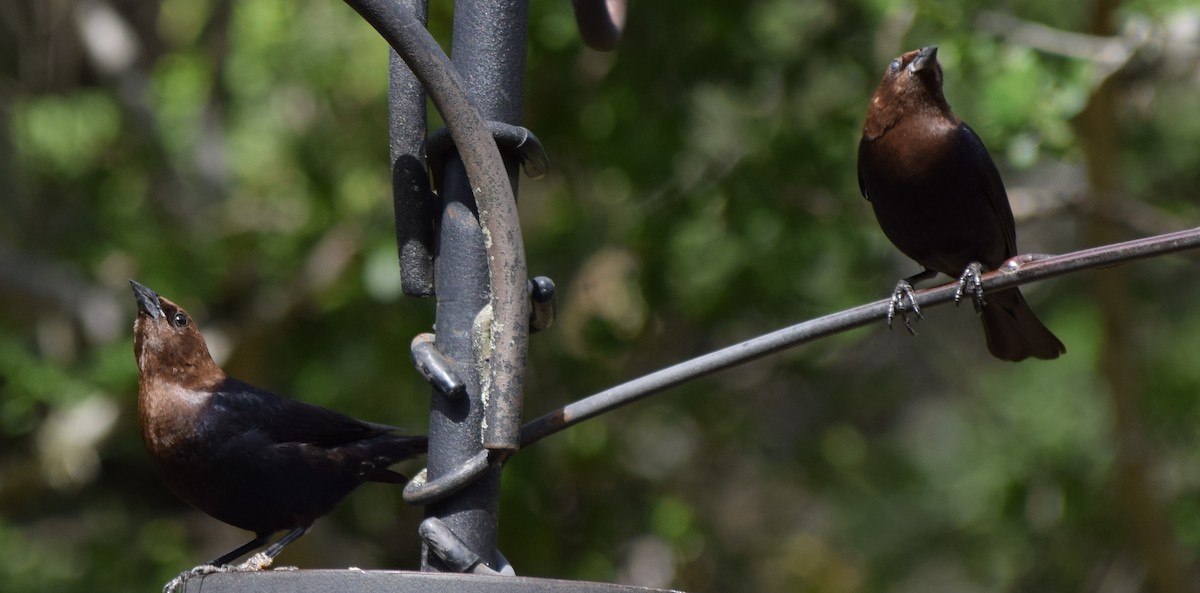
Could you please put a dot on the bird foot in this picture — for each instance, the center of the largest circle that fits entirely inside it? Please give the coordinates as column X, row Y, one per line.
column 258, row 561
column 176, row 584
column 904, row 299
column 971, row 282
column 255, row 563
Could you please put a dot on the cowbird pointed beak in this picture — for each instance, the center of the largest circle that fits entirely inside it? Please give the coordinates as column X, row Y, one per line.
column 147, row 300
column 926, row 57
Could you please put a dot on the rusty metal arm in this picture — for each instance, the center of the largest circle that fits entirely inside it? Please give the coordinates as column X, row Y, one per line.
column 1016, row 271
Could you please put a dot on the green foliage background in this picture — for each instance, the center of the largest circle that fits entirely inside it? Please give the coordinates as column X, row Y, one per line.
column 232, row 155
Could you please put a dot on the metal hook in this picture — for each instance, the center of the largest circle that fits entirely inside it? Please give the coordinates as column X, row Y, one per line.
column 509, row 139
column 435, row 368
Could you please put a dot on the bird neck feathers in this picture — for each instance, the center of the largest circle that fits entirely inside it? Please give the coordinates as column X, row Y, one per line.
column 888, row 112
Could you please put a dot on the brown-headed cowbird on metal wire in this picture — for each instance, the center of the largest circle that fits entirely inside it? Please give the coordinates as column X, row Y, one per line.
column 939, row 199
column 244, row 455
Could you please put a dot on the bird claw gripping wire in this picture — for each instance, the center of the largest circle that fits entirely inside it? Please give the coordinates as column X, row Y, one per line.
column 904, row 293
column 971, row 282
column 255, row 563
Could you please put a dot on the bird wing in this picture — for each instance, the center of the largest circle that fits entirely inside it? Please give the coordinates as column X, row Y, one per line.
column 991, row 185
column 287, row 420
column 862, row 182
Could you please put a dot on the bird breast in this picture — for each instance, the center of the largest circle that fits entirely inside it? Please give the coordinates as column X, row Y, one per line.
column 168, row 414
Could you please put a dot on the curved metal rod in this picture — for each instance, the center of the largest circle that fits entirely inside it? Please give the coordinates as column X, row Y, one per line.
column 1018, row 270
column 509, row 329
column 600, row 22
column 421, row 491
column 435, row 368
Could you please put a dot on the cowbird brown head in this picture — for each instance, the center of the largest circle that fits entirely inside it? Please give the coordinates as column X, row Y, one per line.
column 911, row 87
column 167, row 344
column 939, row 198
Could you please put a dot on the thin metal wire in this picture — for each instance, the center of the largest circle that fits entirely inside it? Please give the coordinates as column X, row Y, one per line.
column 1016, row 271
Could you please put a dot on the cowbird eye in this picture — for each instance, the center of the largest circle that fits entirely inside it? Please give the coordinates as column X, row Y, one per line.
column 179, row 320
column 895, row 65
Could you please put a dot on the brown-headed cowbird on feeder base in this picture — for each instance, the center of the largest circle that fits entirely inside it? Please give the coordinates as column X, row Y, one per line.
column 244, row 455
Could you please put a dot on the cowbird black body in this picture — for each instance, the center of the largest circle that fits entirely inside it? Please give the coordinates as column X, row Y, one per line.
column 244, row 455
column 939, row 197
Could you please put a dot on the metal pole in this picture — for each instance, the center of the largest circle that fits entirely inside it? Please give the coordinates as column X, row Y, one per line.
column 483, row 309
column 455, row 425
column 488, row 51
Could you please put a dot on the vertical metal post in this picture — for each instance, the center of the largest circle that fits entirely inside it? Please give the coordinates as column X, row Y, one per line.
column 455, row 426
column 489, row 53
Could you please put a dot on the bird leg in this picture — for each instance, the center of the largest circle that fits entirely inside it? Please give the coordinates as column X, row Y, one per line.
column 239, row 551
column 971, row 282
column 220, row 564
column 903, row 293
column 254, row 563
column 278, row 546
